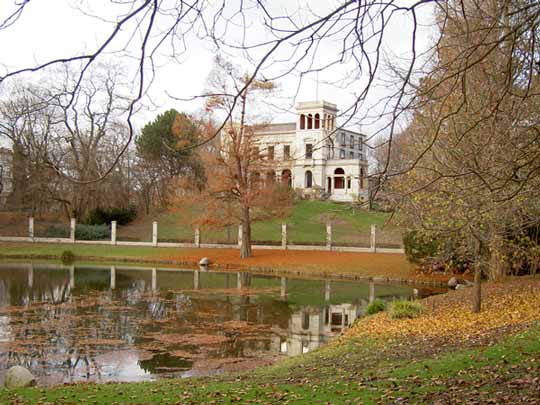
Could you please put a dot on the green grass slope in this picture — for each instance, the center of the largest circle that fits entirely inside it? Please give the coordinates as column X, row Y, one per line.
column 365, row 372
column 306, row 224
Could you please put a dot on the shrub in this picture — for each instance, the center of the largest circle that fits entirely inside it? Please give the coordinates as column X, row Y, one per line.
column 67, row 257
column 418, row 246
column 92, row 232
column 101, row 216
column 377, row 305
column 405, row 309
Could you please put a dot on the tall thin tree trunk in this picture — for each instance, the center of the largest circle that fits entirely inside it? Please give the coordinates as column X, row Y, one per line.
column 477, row 287
column 496, row 265
column 245, row 247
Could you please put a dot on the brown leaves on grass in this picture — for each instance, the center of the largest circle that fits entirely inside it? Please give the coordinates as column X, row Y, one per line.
column 100, row 342
column 514, row 302
column 188, row 339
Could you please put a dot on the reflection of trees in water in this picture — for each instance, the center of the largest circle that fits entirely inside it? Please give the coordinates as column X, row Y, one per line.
column 68, row 317
column 160, row 362
column 15, row 288
column 63, row 331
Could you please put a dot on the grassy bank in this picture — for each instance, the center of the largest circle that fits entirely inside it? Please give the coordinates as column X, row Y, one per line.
column 447, row 355
column 306, row 262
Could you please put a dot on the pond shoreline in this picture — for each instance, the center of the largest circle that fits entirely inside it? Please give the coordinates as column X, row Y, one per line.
column 439, row 281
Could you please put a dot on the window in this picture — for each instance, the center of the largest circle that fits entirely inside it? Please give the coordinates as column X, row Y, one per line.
column 286, row 152
column 339, row 179
column 309, row 179
column 286, row 177
column 317, row 121
column 256, row 180
column 351, row 155
column 271, row 153
column 360, row 144
column 352, row 141
column 342, row 153
column 348, row 182
column 255, row 152
column 342, row 138
column 305, row 320
column 270, row 177
column 310, row 121
column 302, row 121
column 309, row 151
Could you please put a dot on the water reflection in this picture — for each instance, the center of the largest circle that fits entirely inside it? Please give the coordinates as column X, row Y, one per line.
column 119, row 323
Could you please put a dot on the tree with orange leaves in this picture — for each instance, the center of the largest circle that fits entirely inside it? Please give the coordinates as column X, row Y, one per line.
column 235, row 191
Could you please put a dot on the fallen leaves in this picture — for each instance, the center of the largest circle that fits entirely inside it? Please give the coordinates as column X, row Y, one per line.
column 504, row 304
column 188, row 339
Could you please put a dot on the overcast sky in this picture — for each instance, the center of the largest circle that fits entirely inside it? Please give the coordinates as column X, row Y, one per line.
column 54, row 29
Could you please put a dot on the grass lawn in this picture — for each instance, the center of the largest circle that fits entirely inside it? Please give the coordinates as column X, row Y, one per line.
column 497, row 361
column 306, row 224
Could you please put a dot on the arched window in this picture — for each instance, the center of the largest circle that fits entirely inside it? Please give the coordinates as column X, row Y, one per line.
column 317, row 121
column 286, row 177
column 339, row 178
column 309, row 179
column 270, row 177
column 309, row 121
column 302, row 121
column 255, row 180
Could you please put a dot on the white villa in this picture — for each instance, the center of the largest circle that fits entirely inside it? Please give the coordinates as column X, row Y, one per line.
column 315, row 157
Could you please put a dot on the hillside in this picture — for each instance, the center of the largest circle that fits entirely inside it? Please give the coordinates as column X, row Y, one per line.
column 306, row 225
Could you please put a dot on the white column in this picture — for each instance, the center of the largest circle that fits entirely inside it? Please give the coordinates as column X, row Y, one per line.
column 327, row 290
column 196, row 279
column 30, row 276
column 72, row 226
column 72, row 277
column 283, row 287
column 31, row 228
column 113, row 233
column 371, row 291
column 197, row 237
column 329, row 235
column 284, row 236
column 113, row 277
column 372, row 241
column 154, row 279
column 240, row 237
column 154, row 233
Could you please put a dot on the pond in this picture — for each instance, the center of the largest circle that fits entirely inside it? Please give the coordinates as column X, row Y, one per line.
column 119, row 323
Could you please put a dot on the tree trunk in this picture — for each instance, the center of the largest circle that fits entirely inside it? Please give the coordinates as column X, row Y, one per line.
column 477, row 288
column 245, row 247
column 496, row 266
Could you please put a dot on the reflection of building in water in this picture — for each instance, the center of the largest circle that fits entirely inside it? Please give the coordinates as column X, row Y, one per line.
column 311, row 327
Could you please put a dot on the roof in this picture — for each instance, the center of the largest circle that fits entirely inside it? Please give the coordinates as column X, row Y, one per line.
column 282, row 127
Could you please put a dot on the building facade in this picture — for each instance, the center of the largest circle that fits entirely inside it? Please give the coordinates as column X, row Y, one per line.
column 315, row 157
